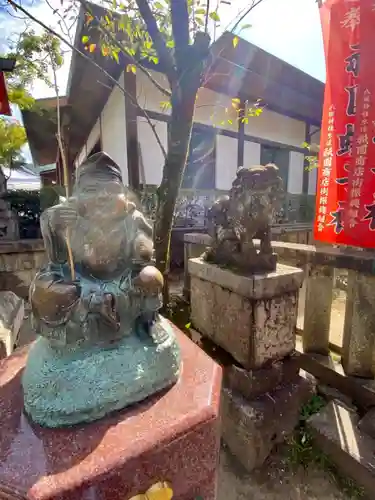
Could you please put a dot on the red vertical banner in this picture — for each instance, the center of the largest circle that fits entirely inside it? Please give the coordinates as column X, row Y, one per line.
column 360, row 218
column 4, row 101
column 344, row 173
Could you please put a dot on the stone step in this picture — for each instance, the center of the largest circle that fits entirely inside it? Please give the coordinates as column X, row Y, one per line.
column 329, row 371
column 335, row 430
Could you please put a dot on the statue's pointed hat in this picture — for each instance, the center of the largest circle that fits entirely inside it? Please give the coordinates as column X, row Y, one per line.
column 99, row 166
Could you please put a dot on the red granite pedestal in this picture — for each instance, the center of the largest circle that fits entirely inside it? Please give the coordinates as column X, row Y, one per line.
column 172, row 437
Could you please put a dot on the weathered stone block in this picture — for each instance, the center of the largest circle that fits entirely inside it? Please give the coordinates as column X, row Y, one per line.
column 12, row 310
column 254, row 383
column 253, row 318
column 367, row 423
column 252, row 428
column 336, row 432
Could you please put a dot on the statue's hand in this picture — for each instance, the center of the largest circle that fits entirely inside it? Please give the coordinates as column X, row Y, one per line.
column 63, row 217
column 53, row 297
column 108, row 311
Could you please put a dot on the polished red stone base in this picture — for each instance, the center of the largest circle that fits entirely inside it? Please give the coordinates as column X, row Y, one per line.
column 173, row 437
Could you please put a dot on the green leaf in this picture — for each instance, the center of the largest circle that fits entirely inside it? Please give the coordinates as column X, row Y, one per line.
column 199, row 21
column 214, row 16
column 246, row 27
column 236, row 100
column 131, row 68
column 170, row 44
column 235, row 41
column 115, row 56
column 158, row 5
column 200, row 12
column 187, row 326
column 165, row 105
column 85, row 39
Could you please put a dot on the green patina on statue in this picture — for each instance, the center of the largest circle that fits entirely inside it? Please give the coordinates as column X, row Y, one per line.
column 102, row 346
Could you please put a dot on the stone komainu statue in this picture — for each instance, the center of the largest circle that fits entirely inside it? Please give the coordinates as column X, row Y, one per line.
column 246, row 213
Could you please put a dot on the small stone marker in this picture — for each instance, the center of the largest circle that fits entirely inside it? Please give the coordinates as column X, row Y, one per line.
column 12, row 311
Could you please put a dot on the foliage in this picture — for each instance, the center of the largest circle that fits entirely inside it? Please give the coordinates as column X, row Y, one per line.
column 12, row 138
column 28, row 205
column 313, row 159
column 34, row 55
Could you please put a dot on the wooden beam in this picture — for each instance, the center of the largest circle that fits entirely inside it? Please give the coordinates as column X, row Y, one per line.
column 131, row 138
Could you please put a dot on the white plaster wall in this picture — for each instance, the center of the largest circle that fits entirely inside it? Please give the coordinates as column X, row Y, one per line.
column 212, row 108
column 295, row 174
column 278, row 128
column 81, row 155
column 226, row 161
column 152, row 160
column 216, row 110
column 114, row 129
column 93, row 136
column 313, row 176
column 149, row 97
column 251, row 153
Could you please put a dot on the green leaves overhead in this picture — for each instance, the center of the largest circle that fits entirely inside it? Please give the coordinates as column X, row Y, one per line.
column 12, row 138
column 214, row 16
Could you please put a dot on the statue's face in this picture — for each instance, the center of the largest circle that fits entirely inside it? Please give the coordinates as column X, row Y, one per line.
column 104, row 231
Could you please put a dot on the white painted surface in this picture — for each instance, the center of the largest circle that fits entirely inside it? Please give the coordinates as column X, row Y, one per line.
column 226, row 161
column 81, row 156
column 295, row 175
column 313, row 177
column 216, row 110
column 149, row 97
column 278, row 128
column 251, row 154
column 93, row 137
column 152, row 160
column 212, row 109
column 114, row 130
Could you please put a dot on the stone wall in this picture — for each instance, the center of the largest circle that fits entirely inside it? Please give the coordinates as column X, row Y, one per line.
column 19, row 261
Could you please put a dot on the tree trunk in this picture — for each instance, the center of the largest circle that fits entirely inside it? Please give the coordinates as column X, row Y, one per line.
column 184, row 94
column 178, row 148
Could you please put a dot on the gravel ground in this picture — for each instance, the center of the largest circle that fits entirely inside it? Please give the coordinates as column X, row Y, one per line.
column 275, row 481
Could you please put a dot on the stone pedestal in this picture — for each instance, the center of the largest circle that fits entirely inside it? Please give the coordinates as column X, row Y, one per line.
column 173, row 437
column 253, row 318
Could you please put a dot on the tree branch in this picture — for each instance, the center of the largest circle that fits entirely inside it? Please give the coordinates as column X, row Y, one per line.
column 122, row 48
column 164, row 54
column 254, row 4
column 180, row 30
column 87, row 58
column 206, row 16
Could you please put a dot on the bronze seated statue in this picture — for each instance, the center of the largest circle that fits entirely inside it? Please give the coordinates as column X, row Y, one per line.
column 102, row 344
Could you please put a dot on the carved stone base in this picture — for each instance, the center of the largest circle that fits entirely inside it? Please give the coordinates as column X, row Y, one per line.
column 65, row 387
column 251, row 317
